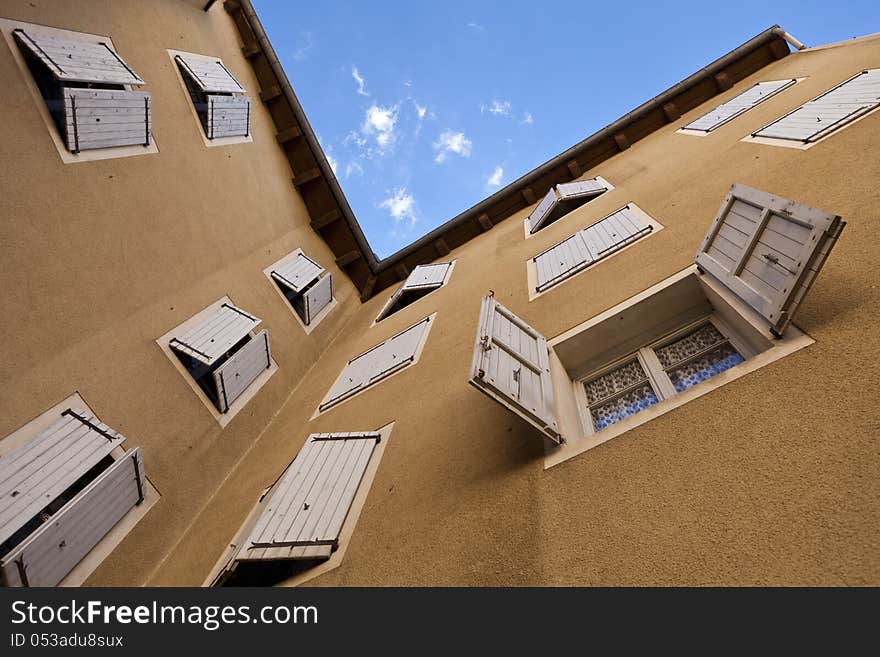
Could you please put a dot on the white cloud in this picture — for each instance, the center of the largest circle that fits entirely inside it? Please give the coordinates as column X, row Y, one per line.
column 401, row 206
column 353, row 167
column 420, row 110
column 300, row 53
column 452, row 142
column 334, row 163
column 527, row 118
column 362, row 84
column 494, row 179
column 379, row 123
column 475, row 26
column 498, row 108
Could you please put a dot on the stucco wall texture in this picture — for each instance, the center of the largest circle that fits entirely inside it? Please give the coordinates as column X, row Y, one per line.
column 771, row 479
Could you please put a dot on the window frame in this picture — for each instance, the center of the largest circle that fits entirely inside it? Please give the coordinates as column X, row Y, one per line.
column 219, row 141
column 384, row 312
column 7, row 27
column 222, row 418
column 322, row 314
column 527, row 227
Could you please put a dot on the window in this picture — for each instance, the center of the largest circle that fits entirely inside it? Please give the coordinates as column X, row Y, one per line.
column 86, row 92
column 305, row 286
column 822, row 116
column 562, row 199
column 588, row 246
column 378, row 363
column 302, row 523
column 68, row 490
column 222, row 356
column 421, row 281
column 726, row 315
column 217, row 97
column 737, row 105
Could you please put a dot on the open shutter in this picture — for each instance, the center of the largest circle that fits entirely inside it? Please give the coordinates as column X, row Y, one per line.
column 297, row 274
column 580, row 189
column 316, row 298
column 306, row 508
column 562, row 199
column 511, row 364
column 833, row 109
column 36, row 473
column 542, row 212
column 768, row 250
column 216, row 334
column 101, row 118
column 236, row 374
column 588, row 246
column 426, row 277
column 377, row 363
column 46, row 556
column 228, row 116
column 739, row 104
column 78, row 61
column 209, row 75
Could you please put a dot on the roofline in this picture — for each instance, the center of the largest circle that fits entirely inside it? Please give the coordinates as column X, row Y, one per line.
column 354, row 254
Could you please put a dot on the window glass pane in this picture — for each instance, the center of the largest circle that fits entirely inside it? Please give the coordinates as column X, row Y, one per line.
column 705, row 367
column 675, row 352
column 604, row 415
column 614, row 381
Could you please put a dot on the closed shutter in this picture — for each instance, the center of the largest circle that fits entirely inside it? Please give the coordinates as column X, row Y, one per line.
column 78, row 61
column 588, row 246
column 833, row 109
column 36, row 473
column 101, row 118
column 236, row 374
column 216, row 334
column 47, row 555
column 426, row 277
column 316, row 298
column 768, row 250
column 304, row 513
column 228, row 116
column 542, row 212
column 209, row 75
column 511, row 364
column 377, row 363
column 737, row 105
column 298, row 273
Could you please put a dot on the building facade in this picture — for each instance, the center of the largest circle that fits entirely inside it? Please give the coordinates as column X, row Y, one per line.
column 645, row 407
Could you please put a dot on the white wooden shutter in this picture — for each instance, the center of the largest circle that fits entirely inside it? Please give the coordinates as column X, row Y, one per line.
column 101, row 118
column 511, row 364
column 377, row 363
column 78, row 61
column 306, row 508
column 739, row 104
column 542, row 212
column 209, row 75
column 588, row 246
column 36, row 473
column 216, row 334
column 46, row 556
column 426, row 277
column 316, row 298
column 234, row 376
column 228, row 116
column 581, row 188
column 298, row 273
column 768, row 250
column 833, row 109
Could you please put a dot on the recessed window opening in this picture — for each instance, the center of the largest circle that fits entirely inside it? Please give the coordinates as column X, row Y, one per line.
column 563, row 199
column 216, row 95
column 421, row 281
column 305, row 284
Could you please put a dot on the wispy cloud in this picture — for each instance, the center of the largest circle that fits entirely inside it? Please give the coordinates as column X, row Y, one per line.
column 334, row 163
column 452, row 142
column 401, row 206
column 497, row 108
column 421, row 110
column 379, row 123
column 362, row 84
column 302, row 52
column 494, row 179
column 353, row 167
column 475, row 26
column 527, row 118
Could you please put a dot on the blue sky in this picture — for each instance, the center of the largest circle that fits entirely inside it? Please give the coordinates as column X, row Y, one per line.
column 424, row 109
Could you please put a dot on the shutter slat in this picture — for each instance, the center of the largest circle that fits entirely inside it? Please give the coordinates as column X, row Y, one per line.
column 737, row 105
column 99, row 118
column 234, row 376
column 316, row 298
column 298, row 273
column 213, row 336
column 210, row 76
